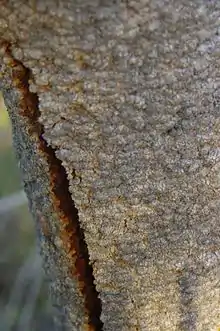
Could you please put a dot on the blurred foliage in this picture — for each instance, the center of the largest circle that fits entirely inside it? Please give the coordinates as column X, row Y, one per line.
column 4, row 120
column 9, row 174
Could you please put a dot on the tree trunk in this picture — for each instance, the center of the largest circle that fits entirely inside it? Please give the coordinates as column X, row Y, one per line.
column 116, row 119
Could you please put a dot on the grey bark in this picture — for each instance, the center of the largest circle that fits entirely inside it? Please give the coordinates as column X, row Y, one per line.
column 126, row 93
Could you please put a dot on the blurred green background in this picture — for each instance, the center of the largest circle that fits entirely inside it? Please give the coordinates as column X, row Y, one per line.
column 24, row 303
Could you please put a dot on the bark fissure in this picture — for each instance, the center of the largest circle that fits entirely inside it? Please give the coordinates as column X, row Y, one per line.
column 71, row 233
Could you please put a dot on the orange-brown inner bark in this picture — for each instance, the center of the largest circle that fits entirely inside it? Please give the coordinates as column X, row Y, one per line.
column 71, row 233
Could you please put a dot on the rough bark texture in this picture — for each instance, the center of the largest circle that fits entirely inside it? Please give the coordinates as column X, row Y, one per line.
column 126, row 94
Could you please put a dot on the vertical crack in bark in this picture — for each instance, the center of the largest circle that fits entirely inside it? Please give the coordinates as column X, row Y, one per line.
column 71, row 233
column 187, row 284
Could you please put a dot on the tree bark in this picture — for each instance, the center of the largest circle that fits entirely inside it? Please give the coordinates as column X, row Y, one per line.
column 116, row 119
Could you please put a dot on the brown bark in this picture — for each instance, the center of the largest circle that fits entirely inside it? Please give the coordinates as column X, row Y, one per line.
column 115, row 113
